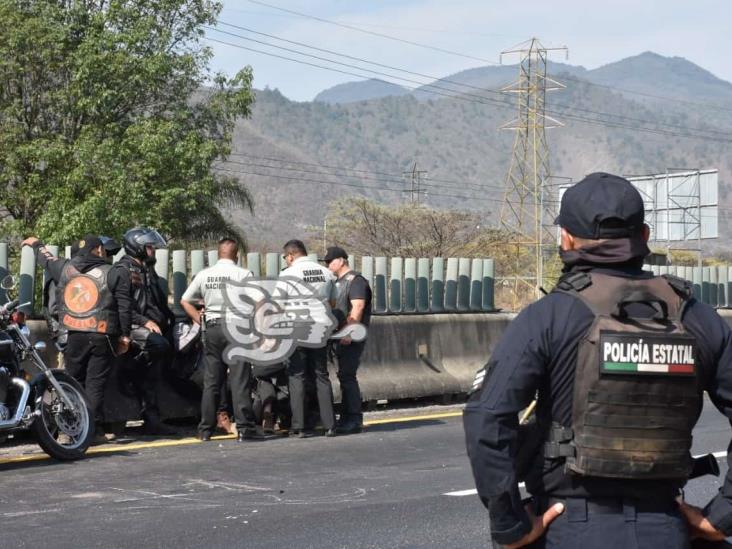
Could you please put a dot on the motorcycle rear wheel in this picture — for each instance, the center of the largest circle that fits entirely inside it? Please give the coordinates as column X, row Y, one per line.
column 63, row 434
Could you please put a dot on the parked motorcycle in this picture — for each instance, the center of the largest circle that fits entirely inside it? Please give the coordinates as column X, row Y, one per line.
column 47, row 401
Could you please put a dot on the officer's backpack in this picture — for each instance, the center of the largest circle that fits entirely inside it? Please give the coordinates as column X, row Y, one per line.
column 636, row 391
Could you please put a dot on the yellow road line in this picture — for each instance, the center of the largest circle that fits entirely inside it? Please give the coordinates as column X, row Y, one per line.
column 407, row 419
column 119, row 448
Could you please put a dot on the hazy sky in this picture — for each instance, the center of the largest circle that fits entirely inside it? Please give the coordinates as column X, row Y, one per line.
column 595, row 32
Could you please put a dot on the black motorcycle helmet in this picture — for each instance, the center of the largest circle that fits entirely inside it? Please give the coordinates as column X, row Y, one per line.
column 136, row 240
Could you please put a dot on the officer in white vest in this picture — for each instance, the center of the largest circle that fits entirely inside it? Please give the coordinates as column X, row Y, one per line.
column 308, row 361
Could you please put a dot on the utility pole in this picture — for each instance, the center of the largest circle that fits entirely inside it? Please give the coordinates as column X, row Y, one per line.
column 414, row 177
column 529, row 206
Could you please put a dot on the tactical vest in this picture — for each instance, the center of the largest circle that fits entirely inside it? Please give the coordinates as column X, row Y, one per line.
column 343, row 304
column 87, row 303
column 636, row 386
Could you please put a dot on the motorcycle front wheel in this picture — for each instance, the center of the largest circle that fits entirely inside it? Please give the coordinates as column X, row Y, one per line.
column 63, row 433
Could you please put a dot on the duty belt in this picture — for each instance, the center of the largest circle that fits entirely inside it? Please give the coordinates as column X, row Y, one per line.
column 607, row 505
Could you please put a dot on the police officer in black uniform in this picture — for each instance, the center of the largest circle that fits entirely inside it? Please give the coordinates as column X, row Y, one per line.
column 95, row 308
column 619, row 360
column 353, row 305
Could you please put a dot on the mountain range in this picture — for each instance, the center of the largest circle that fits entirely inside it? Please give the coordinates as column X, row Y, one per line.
column 359, row 138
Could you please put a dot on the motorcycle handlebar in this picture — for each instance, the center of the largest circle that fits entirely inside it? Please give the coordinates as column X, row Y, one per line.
column 10, row 306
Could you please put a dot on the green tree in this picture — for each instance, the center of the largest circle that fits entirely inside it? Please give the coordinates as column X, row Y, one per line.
column 110, row 117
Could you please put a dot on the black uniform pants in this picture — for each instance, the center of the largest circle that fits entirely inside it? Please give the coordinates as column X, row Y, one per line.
column 88, row 359
column 306, row 362
column 214, row 376
column 609, row 523
column 348, row 358
column 144, row 366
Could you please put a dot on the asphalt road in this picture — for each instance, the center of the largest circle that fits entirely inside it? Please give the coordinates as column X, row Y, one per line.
column 383, row 488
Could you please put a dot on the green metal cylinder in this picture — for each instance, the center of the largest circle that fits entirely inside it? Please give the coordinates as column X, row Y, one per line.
column 489, row 281
column 713, row 286
column 410, row 285
column 438, row 285
column 451, row 284
column 4, row 270
column 463, row 301
column 26, row 293
column 180, row 276
column 272, row 265
column 697, row 282
column 723, row 284
column 253, row 264
column 367, row 269
column 197, row 262
column 476, row 285
column 423, row 285
column 395, row 285
column 380, row 284
column 162, row 267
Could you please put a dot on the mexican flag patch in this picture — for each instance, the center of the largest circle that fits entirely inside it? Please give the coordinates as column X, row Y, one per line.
column 643, row 354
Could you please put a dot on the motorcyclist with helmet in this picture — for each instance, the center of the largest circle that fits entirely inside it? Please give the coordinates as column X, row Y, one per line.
column 152, row 320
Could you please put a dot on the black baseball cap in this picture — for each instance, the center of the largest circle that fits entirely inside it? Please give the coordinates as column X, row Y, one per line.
column 88, row 243
column 602, row 205
column 335, row 252
column 111, row 246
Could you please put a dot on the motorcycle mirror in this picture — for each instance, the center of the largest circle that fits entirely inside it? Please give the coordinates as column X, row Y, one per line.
column 40, row 346
column 8, row 282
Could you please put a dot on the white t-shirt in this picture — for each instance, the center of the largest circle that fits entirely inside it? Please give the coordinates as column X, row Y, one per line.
column 314, row 274
column 208, row 285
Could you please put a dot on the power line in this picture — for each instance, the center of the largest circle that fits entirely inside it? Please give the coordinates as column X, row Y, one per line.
column 401, row 190
column 373, row 33
column 650, row 95
column 354, row 58
column 463, row 95
column 303, row 180
column 349, row 65
column 461, row 184
column 300, row 61
column 353, row 27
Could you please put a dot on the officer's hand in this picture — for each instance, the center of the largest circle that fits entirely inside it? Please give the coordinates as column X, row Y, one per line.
column 345, row 340
column 29, row 241
column 150, row 325
column 540, row 525
column 699, row 525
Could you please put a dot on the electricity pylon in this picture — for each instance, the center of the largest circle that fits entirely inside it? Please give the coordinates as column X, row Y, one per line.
column 414, row 176
column 529, row 204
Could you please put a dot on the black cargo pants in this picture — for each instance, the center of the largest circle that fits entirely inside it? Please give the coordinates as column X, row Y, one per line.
column 313, row 362
column 347, row 359
column 88, row 359
column 214, row 376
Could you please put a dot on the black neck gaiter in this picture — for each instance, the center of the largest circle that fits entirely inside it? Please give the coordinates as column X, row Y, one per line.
column 620, row 252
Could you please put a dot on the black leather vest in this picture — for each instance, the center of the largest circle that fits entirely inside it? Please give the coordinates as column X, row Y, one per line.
column 87, row 303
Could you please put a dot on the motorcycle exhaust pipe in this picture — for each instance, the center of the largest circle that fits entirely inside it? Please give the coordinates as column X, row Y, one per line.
column 20, row 410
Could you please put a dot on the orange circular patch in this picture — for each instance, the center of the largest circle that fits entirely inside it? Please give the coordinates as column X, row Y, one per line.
column 80, row 295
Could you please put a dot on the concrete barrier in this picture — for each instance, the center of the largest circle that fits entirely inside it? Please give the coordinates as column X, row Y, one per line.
column 407, row 356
